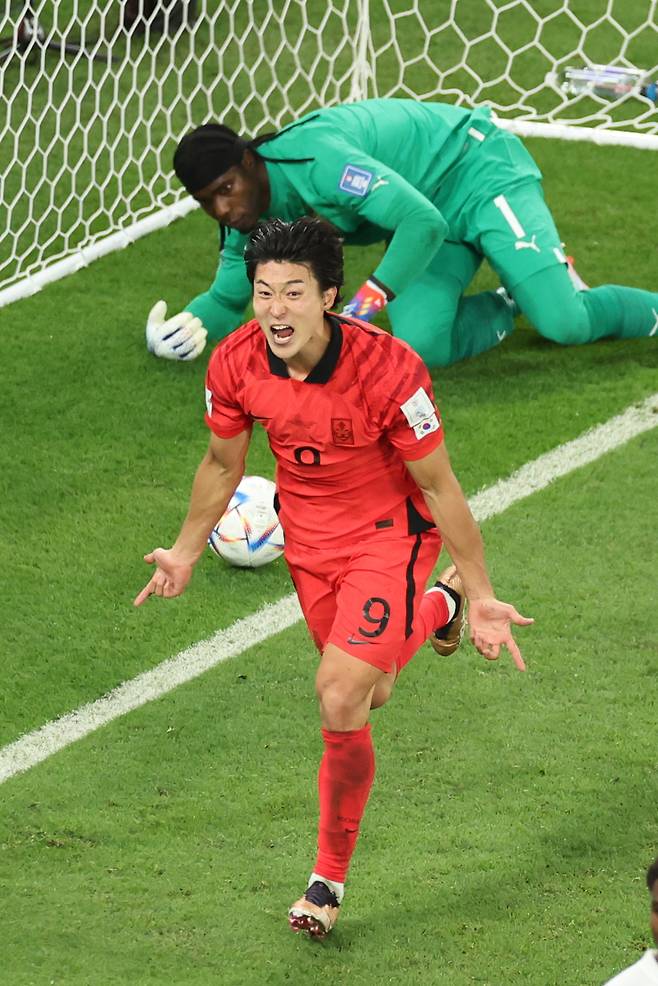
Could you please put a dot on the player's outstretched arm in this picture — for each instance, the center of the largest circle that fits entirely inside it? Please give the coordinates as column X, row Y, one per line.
column 215, row 481
column 490, row 619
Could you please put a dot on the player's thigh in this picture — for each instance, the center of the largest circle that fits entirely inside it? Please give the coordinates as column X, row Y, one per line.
column 424, row 313
column 317, row 597
column 517, row 234
column 379, row 592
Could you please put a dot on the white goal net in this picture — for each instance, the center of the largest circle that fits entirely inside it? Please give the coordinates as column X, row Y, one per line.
column 97, row 93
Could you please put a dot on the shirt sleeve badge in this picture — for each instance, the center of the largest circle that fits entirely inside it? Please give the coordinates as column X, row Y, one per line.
column 420, row 413
column 355, row 181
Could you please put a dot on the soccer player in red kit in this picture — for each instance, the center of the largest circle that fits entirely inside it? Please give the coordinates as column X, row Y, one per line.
column 364, row 485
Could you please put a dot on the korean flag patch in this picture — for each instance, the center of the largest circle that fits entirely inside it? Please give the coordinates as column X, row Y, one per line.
column 355, row 181
column 427, row 426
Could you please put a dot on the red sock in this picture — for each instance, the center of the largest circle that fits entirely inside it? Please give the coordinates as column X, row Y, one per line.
column 346, row 774
column 432, row 613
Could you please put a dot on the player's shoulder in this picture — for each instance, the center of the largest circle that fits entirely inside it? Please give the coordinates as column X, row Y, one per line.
column 388, row 371
column 366, row 338
column 239, row 355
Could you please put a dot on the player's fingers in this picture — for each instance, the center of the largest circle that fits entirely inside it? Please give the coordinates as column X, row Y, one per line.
column 513, row 648
column 157, row 314
column 520, row 621
column 143, row 595
column 175, row 335
column 486, row 648
column 150, row 558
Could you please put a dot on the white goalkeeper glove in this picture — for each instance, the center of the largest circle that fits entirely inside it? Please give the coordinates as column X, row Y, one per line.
column 179, row 337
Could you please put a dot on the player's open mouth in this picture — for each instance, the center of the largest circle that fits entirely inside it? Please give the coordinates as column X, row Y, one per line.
column 282, row 333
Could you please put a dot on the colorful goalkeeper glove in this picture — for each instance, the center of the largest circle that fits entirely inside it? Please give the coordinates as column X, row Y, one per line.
column 180, row 337
column 368, row 300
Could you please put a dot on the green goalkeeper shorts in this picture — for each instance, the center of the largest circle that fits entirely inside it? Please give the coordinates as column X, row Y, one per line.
column 515, row 231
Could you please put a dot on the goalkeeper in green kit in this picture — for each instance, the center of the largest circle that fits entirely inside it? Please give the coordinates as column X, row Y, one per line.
column 442, row 186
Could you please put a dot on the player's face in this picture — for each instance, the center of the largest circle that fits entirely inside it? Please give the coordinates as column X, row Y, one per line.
column 239, row 197
column 291, row 307
column 654, row 912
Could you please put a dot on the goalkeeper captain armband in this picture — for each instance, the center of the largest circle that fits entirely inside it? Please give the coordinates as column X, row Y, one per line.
column 368, row 301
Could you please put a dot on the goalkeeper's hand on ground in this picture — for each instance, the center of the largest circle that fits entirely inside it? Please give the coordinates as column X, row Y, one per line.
column 179, row 337
column 367, row 302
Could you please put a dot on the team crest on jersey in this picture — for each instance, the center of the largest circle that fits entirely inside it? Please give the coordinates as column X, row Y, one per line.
column 342, row 432
column 355, row 180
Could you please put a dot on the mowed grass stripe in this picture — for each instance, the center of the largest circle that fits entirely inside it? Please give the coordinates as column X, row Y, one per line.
column 38, row 745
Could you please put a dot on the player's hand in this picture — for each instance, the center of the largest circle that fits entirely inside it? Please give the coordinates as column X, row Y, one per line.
column 367, row 302
column 489, row 622
column 182, row 336
column 170, row 576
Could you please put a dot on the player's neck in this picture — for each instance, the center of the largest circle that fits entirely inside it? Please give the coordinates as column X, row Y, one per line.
column 302, row 363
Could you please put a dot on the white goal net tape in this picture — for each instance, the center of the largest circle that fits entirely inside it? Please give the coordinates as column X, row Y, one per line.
column 97, row 93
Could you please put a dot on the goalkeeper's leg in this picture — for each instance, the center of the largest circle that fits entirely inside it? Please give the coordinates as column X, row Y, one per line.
column 560, row 313
column 519, row 237
column 438, row 322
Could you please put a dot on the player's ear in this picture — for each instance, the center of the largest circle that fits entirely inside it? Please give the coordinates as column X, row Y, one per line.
column 328, row 298
column 248, row 159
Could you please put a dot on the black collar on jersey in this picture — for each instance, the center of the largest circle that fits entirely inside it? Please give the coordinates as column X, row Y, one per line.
column 322, row 371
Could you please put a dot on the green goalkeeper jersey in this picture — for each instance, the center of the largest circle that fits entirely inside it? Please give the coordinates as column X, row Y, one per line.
column 390, row 170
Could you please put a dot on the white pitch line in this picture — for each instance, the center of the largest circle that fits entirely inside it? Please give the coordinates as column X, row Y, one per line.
column 31, row 749
column 565, row 458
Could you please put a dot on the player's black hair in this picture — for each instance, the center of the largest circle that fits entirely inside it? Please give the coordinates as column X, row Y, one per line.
column 208, row 151
column 310, row 241
column 652, row 874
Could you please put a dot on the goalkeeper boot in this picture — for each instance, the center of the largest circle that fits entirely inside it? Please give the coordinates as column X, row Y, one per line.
column 316, row 912
column 446, row 639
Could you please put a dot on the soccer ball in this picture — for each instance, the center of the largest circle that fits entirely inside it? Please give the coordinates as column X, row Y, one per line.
column 249, row 533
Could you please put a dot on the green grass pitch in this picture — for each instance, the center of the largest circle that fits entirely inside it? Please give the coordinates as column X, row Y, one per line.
column 512, row 816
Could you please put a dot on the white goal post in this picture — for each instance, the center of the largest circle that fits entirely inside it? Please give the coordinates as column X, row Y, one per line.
column 96, row 101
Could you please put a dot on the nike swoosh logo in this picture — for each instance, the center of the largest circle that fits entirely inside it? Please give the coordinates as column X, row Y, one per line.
column 351, row 640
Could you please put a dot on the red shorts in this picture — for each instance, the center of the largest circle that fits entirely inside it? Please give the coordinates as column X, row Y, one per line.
column 364, row 601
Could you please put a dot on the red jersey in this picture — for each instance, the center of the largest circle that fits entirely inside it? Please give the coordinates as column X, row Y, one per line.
column 340, row 437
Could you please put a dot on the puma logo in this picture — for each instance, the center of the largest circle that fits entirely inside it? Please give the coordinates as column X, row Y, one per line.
column 525, row 245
